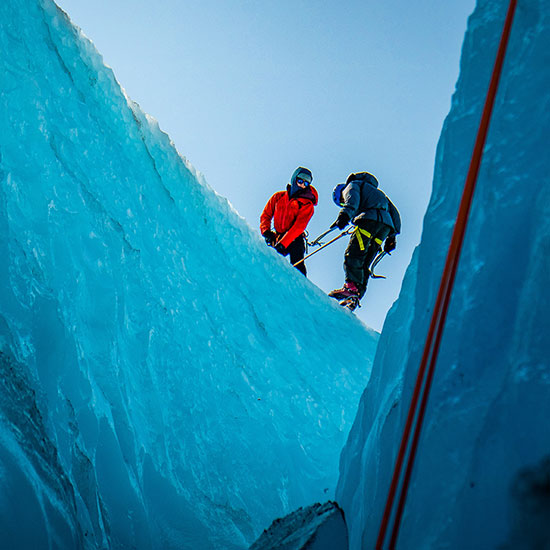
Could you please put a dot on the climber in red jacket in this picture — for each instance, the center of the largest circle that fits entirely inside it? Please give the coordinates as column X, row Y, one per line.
column 290, row 211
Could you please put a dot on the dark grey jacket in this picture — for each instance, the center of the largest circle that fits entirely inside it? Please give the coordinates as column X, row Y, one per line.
column 364, row 201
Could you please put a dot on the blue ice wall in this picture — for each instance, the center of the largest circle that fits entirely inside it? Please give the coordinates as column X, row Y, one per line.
column 486, row 432
column 167, row 381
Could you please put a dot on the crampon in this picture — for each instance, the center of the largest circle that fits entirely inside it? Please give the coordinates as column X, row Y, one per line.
column 352, row 303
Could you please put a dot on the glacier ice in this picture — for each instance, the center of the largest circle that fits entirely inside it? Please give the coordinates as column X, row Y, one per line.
column 167, row 381
column 149, row 398
column 487, row 417
column 317, row 527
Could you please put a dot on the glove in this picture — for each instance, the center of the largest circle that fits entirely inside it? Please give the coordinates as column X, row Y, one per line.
column 270, row 237
column 341, row 221
column 390, row 244
column 281, row 249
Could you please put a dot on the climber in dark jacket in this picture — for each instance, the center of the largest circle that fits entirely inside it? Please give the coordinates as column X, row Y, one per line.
column 290, row 211
column 376, row 221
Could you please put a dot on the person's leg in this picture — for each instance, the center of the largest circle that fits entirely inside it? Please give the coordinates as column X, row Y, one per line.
column 297, row 250
column 353, row 269
column 379, row 233
column 357, row 253
column 363, row 247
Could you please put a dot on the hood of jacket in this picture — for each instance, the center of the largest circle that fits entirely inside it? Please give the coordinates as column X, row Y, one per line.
column 300, row 171
column 363, row 177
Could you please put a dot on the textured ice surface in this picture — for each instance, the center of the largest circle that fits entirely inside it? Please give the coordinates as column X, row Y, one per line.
column 167, row 381
column 487, row 418
column 317, row 527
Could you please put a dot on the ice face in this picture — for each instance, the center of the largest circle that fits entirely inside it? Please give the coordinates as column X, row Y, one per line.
column 486, row 423
column 167, row 380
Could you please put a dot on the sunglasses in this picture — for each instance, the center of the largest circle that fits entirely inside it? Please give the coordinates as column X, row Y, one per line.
column 301, row 181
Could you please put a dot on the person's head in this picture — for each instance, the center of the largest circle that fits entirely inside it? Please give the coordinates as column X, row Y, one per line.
column 301, row 179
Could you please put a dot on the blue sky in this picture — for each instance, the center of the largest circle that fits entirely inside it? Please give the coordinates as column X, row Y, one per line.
column 249, row 90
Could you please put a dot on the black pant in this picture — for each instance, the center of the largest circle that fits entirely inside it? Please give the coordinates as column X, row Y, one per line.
column 297, row 250
column 362, row 250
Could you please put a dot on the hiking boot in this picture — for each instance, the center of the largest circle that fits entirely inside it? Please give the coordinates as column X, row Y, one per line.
column 348, row 290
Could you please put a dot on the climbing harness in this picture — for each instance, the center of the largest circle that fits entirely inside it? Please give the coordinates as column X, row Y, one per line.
column 306, row 242
column 347, row 232
column 359, row 233
column 429, row 357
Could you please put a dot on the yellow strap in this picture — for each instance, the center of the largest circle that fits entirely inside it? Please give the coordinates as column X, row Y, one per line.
column 359, row 232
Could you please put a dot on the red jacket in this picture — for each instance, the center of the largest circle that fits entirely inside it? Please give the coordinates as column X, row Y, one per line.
column 290, row 215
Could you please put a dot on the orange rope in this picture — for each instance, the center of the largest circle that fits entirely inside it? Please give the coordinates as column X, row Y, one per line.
column 433, row 340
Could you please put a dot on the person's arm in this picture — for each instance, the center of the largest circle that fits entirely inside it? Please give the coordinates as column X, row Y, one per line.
column 268, row 211
column 351, row 197
column 395, row 217
column 390, row 242
column 299, row 225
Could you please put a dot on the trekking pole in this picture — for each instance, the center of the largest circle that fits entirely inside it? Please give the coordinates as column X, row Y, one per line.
column 318, row 239
column 348, row 232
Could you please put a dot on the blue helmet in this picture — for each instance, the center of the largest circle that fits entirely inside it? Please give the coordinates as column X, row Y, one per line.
column 337, row 194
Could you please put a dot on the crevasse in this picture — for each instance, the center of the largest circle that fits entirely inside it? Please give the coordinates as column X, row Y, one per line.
column 481, row 475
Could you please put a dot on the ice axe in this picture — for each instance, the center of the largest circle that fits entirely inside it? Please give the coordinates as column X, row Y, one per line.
column 347, row 232
column 317, row 241
column 376, row 261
